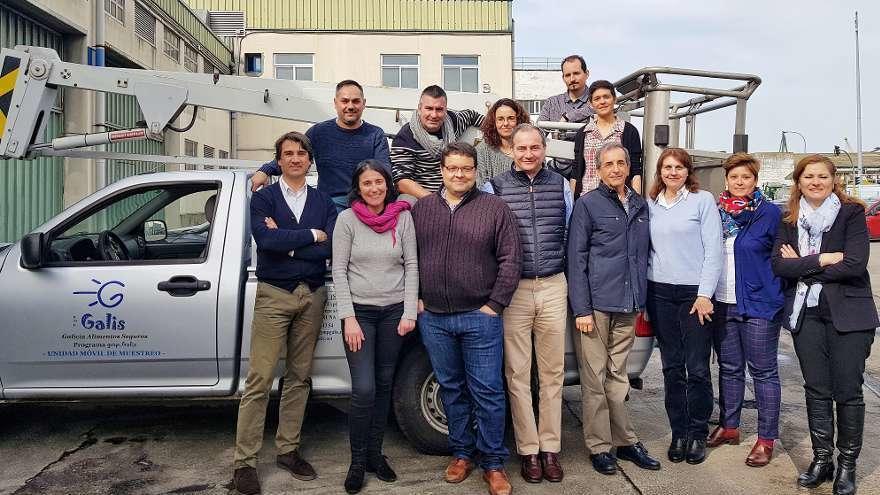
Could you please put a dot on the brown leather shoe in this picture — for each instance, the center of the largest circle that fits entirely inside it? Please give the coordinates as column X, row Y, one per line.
column 458, row 470
column 721, row 436
column 245, row 481
column 298, row 467
column 552, row 468
column 760, row 455
column 498, row 482
column 531, row 468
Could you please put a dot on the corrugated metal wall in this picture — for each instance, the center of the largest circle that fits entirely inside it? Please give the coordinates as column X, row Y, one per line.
column 31, row 191
column 370, row 15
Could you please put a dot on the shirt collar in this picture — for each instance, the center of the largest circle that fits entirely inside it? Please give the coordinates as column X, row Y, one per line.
column 681, row 196
column 287, row 190
column 582, row 98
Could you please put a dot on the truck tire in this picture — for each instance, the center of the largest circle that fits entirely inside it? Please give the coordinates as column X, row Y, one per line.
column 417, row 404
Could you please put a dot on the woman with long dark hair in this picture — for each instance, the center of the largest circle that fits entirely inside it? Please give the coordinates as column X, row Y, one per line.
column 821, row 252
column 495, row 151
column 748, row 301
column 683, row 269
column 375, row 272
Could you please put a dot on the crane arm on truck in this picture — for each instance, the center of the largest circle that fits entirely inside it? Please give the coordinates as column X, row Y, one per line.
column 31, row 76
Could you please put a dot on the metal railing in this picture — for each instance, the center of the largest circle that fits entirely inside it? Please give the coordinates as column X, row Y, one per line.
column 537, row 63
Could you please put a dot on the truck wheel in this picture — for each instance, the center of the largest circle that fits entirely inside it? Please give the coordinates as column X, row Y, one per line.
column 417, row 404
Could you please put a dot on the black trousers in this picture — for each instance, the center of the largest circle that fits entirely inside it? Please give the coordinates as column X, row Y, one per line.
column 372, row 377
column 685, row 348
column 832, row 362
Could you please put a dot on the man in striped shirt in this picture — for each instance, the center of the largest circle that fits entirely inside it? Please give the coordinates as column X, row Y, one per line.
column 415, row 151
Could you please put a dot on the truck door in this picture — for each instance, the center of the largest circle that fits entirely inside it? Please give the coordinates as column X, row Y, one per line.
column 127, row 294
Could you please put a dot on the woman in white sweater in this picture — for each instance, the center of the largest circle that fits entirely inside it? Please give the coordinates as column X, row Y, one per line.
column 375, row 272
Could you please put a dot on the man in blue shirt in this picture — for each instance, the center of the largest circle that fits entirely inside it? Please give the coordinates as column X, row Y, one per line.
column 292, row 224
column 340, row 144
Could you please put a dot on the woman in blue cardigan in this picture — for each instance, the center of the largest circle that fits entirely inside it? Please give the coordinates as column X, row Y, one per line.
column 748, row 301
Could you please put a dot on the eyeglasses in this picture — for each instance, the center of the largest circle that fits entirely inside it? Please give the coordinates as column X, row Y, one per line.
column 462, row 170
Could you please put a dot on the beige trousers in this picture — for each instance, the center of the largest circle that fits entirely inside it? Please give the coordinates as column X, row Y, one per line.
column 537, row 311
column 602, row 357
column 282, row 319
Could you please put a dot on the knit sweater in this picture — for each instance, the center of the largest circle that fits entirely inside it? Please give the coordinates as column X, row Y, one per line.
column 368, row 268
column 338, row 152
column 309, row 261
column 686, row 242
column 468, row 256
column 409, row 160
column 490, row 162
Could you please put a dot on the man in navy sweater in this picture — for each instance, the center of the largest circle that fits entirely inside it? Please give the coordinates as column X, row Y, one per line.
column 340, row 144
column 292, row 224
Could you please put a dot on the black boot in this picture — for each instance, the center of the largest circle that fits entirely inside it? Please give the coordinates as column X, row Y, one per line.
column 354, row 480
column 850, row 425
column 820, row 416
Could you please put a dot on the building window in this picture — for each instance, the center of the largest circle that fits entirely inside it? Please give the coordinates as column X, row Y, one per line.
column 532, row 106
column 116, row 9
column 294, row 66
column 190, row 148
column 253, row 64
column 208, row 152
column 207, row 67
column 190, row 58
column 223, row 155
column 400, row 71
column 144, row 24
column 172, row 45
column 461, row 73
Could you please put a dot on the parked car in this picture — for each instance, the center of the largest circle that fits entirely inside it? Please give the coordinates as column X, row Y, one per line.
column 136, row 292
column 872, row 217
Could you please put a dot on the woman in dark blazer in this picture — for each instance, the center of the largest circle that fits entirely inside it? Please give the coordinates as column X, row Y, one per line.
column 821, row 252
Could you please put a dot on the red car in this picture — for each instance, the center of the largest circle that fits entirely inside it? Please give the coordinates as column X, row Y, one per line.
column 872, row 216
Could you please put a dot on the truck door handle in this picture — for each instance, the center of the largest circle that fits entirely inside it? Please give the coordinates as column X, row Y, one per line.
column 183, row 285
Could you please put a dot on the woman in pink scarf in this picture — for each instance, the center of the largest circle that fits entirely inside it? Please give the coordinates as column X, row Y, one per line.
column 375, row 273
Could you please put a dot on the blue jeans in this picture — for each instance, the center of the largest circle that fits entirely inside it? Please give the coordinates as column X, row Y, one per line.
column 685, row 348
column 740, row 341
column 466, row 351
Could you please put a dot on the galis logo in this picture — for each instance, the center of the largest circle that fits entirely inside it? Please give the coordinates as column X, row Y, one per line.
column 108, row 295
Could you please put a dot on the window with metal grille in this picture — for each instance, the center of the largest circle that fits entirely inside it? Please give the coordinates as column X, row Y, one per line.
column 207, row 67
column 532, row 106
column 172, row 45
column 400, row 71
column 227, row 22
column 208, row 152
column 461, row 73
column 116, row 9
column 190, row 148
column 295, row 66
column 190, row 58
column 144, row 24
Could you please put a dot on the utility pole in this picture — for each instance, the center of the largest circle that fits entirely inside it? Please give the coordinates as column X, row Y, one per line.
column 860, row 169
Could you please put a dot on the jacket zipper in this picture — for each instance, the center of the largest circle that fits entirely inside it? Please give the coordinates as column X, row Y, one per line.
column 534, row 228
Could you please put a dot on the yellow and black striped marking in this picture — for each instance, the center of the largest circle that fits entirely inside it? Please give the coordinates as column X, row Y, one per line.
column 8, row 77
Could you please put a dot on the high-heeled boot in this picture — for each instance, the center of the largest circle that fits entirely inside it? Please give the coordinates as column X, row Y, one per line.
column 850, row 426
column 820, row 417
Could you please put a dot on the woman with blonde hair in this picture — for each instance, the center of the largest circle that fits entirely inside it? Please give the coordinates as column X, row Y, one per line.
column 821, row 253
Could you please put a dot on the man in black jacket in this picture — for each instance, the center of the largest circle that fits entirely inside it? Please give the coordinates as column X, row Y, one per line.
column 607, row 267
column 540, row 200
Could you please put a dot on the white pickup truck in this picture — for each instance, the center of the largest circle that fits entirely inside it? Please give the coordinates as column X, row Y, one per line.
column 141, row 291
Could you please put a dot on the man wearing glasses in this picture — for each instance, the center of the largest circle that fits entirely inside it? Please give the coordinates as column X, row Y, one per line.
column 541, row 201
column 469, row 266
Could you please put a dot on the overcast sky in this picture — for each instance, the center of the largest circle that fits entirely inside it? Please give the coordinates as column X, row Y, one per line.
column 804, row 52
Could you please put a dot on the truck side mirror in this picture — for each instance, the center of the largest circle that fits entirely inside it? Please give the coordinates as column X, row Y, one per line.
column 32, row 251
column 155, row 230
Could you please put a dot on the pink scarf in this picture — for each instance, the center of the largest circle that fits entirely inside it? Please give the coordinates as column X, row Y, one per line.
column 383, row 222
